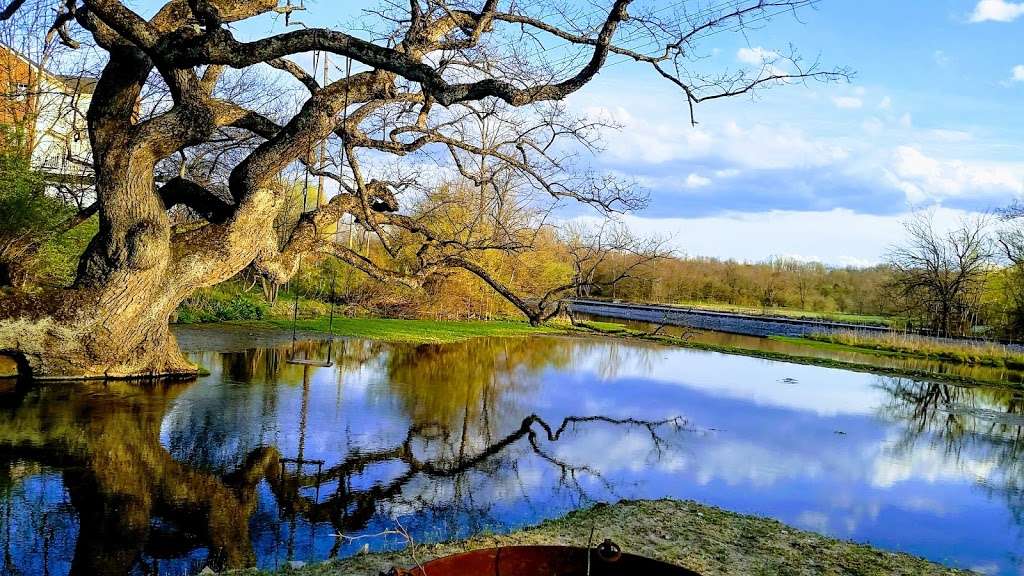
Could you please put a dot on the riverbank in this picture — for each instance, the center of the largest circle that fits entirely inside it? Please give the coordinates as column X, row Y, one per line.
column 413, row 331
column 730, row 322
column 253, row 333
column 706, row 539
column 622, row 331
column 978, row 353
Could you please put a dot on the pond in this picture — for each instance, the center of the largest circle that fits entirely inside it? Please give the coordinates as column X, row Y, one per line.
column 263, row 462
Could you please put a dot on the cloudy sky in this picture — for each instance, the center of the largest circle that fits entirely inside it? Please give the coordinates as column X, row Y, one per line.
column 931, row 119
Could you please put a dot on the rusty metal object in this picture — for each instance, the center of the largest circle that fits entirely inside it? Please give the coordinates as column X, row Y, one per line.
column 607, row 559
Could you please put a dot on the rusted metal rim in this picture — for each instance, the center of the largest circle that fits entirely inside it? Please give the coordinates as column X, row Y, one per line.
column 604, row 560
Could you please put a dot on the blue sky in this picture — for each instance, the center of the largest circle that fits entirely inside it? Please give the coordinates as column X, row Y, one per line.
column 825, row 172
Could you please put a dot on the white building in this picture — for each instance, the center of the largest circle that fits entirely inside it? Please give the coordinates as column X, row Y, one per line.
column 49, row 110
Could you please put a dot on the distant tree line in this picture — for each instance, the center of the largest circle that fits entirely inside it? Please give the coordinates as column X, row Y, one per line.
column 775, row 283
column 964, row 280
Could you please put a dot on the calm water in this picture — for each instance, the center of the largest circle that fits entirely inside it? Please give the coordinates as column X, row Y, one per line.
column 984, row 373
column 264, row 462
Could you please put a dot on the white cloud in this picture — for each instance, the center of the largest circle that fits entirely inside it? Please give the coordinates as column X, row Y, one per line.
column 940, row 57
column 821, row 236
column 767, row 60
column 697, row 181
column 766, row 146
column 651, row 142
column 873, row 125
column 1018, row 73
column 659, row 140
column 986, row 568
column 997, row 11
column 849, row 102
column 756, row 56
column 923, row 178
column 889, row 156
column 814, row 521
column 855, row 262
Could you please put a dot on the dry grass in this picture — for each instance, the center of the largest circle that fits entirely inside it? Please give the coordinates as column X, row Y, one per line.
column 980, row 353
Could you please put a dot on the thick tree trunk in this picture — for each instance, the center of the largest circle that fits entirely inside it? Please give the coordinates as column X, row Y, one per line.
column 114, row 322
column 83, row 334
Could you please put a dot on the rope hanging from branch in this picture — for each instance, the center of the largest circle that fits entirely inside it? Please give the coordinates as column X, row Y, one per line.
column 320, row 166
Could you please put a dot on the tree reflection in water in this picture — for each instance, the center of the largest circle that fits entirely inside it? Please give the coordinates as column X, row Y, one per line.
column 977, row 423
column 119, row 501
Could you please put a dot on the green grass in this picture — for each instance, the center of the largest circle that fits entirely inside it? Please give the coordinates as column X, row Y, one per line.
column 909, row 345
column 413, row 331
column 605, row 327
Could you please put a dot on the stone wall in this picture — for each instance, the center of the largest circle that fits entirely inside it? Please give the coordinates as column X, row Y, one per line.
column 710, row 320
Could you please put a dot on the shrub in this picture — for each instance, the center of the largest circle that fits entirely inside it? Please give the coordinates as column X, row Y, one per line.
column 33, row 247
column 217, row 306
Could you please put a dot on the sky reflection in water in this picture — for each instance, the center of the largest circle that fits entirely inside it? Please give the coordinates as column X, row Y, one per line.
column 263, row 462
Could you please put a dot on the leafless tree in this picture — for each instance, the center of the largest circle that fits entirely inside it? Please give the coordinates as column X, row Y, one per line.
column 1010, row 240
column 591, row 250
column 939, row 275
column 427, row 68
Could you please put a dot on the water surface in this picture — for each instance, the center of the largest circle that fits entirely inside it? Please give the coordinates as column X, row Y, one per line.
column 263, row 462
column 714, row 337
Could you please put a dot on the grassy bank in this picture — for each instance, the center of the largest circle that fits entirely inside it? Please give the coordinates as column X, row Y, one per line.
column 414, row 331
column 908, row 345
column 706, row 539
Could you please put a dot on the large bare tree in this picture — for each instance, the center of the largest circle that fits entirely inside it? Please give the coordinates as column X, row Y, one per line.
column 424, row 72
column 939, row 275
